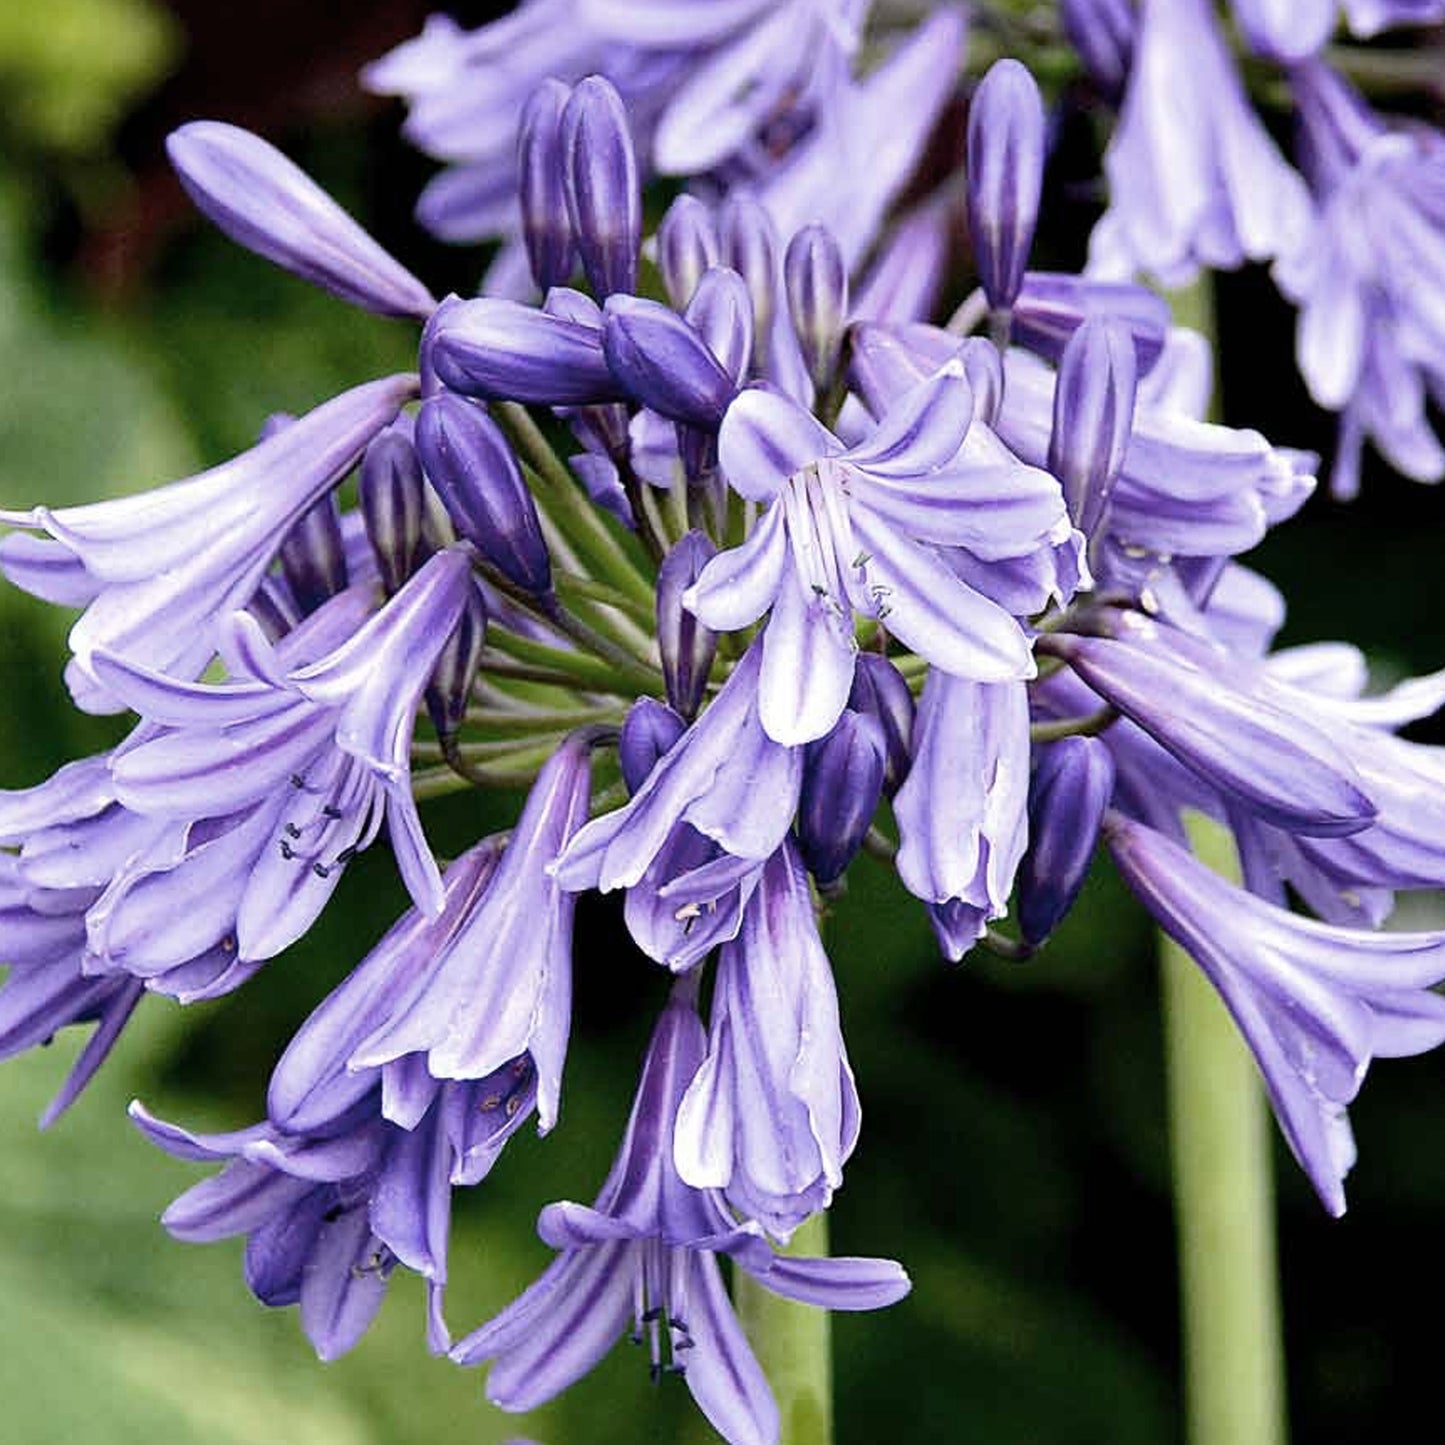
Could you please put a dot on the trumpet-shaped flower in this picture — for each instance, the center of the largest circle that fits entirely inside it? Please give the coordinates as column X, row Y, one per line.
column 157, row 572
column 280, row 776
column 647, row 1251
column 1315, row 1002
column 860, row 529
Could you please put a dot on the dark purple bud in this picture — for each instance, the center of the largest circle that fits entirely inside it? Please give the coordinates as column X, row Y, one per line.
column 542, row 186
column 748, row 243
column 1051, row 306
column 604, row 199
column 392, row 493
column 687, row 647
column 1005, row 176
column 1093, row 418
column 313, row 556
column 983, row 370
column 661, row 361
column 842, row 783
column 1102, row 31
column 816, row 280
column 450, row 687
column 504, row 351
column 1068, row 793
column 687, row 245
column 468, row 461
column 648, row 733
column 721, row 312
column 880, row 692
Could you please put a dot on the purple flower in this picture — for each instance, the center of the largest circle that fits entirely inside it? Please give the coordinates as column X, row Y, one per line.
column 1314, row 1002
column 861, row 527
column 849, row 171
column 646, row 1251
column 498, row 986
column 1371, row 339
column 72, row 836
column 962, row 810
column 281, row 776
column 330, row 1212
column 268, row 205
column 725, row 779
column 1193, row 176
column 1219, row 722
column 157, row 571
column 772, row 1113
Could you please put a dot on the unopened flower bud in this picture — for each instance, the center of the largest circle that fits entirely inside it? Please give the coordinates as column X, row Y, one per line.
column 542, row 186
column 721, row 312
column 392, row 493
column 468, row 461
column 747, row 241
column 1005, row 177
column 504, row 351
column 842, row 783
column 687, row 647
column 313, row 556
column 604, row 198
column 815, row 277
column 880, row 692
column 650, row 730
column 1093, row 418
column 662, row 362
column 1068, row 794
column 687, row 245
column 450, row 687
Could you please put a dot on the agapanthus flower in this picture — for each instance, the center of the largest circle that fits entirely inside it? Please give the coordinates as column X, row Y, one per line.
column 857, row 529
column 708, row 88
column 725, row 779
column 278, row 776
column 772, row 1114
column 71, row 836
column 157, row 571
column 962, row 810
column 1371, row 340
column 330, row 1212
column 1315, row 1002
column 1194, row 178
column 647, row 1252
column 498, row 985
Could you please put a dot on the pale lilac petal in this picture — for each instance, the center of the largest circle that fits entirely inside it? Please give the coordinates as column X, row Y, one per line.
column 808, row 652
column 737, row 586
column 766, row 437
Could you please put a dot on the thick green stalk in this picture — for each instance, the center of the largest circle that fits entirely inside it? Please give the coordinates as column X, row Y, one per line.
column 1223, row 1200
column 793, row 1345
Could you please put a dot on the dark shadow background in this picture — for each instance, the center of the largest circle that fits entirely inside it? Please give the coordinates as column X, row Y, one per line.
column 1014, row 1152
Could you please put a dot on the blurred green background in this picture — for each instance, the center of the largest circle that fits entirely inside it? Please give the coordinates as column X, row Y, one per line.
column 1014, row 1153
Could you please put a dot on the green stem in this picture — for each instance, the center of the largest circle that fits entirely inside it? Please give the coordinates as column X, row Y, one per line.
column 624, row 677
column 793, row 1345
column 1224, row 1201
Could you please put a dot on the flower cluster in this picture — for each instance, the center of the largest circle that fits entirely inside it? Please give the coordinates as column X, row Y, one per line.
column 816, row 576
